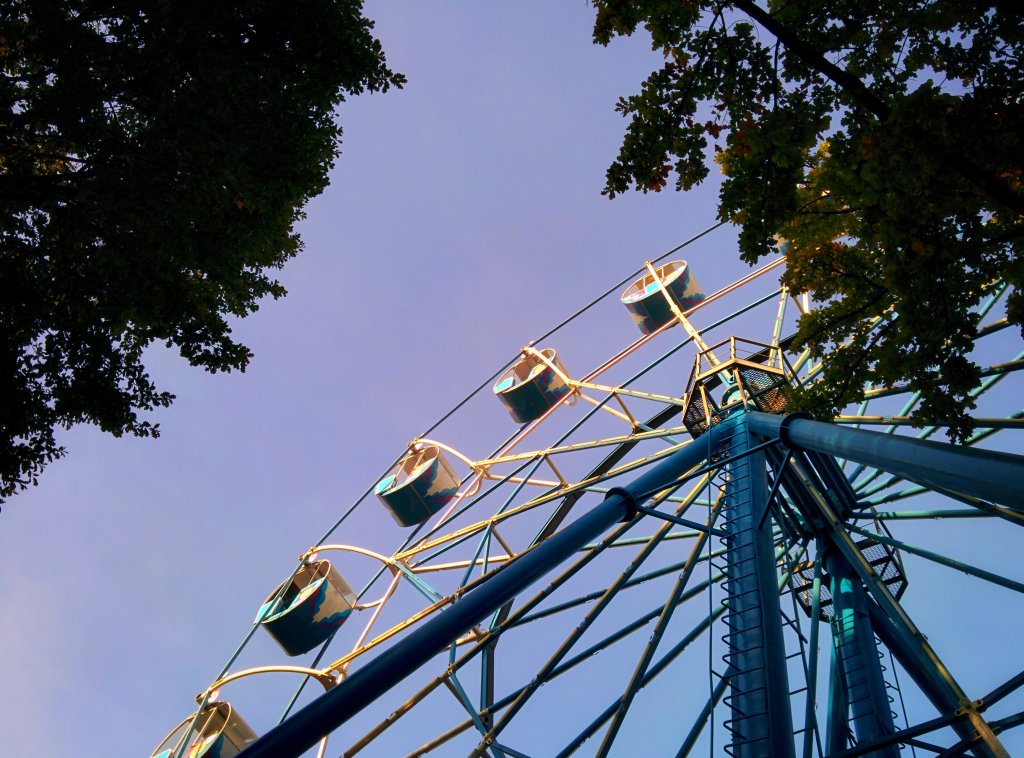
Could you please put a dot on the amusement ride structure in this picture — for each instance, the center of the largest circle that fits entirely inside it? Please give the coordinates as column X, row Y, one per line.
column 662, row 559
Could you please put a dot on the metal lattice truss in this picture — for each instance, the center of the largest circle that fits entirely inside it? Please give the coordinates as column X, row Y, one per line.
column 702, row 531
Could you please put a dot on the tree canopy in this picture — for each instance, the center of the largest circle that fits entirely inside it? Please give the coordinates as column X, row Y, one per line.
column 154, row 157
column 882, row 140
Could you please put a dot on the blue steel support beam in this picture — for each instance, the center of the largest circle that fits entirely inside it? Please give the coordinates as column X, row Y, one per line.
column 972, row 728
column 984, row 474
column 762, row 722
column 854, row 643
column 837, row 726
column 910, row 646
column 811, row 729
column 307, row 726
column 890, row 621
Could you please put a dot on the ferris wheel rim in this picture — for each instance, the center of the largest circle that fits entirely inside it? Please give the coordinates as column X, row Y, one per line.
column 625, row 445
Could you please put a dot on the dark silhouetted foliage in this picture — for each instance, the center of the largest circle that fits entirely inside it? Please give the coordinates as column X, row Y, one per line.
column 883, row 140
column 154, row 157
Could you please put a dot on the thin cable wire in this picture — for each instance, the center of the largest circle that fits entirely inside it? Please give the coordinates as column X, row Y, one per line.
column 711, row 634
column 614, row 288
column 564, row 322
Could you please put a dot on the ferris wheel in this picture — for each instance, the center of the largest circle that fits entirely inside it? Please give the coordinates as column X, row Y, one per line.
column 660, row 559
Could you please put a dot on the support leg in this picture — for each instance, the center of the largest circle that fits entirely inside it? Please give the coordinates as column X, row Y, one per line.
column 761, row 722
column 854, row 643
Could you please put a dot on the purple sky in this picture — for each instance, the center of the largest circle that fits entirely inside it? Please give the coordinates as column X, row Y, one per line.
column 464, row 218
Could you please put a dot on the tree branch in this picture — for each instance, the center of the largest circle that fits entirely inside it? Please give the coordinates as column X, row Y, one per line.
column 861, row 95
column 812, row 57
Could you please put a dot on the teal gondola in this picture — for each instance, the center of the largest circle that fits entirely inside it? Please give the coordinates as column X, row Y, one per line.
column 646, row 302
column 220, row 733
column 532, row 386
column 418, row 486
column 312, row 607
